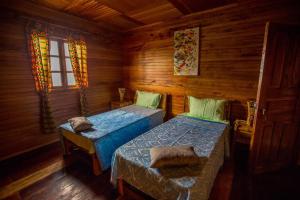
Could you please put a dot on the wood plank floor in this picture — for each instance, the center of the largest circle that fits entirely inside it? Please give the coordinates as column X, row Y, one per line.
column 78, row 182
column 22, row 171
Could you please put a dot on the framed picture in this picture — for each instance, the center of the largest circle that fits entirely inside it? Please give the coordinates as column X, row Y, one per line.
column 186, row 55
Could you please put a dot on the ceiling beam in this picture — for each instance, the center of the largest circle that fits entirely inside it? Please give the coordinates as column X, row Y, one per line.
column 128, row 18
column 181, row 6
column 139, row 23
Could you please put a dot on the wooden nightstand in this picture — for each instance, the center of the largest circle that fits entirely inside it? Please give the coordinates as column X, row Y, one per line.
column 118, row 104
column 242, row 133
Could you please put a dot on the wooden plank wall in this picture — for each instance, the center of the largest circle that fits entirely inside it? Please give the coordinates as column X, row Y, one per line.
column 231, row 40
column 19, row 114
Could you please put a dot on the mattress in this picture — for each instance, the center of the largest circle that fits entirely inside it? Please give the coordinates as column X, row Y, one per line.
column 112, row 129
column 210, row 140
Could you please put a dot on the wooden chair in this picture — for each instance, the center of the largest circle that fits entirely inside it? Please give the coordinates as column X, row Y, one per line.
column 243, row 130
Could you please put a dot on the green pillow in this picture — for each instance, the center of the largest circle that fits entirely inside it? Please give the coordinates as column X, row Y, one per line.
column 148, row 99
column 210, row 109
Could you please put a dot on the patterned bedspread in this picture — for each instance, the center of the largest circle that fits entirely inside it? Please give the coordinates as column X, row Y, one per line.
column 131, row 161
column 114, row 128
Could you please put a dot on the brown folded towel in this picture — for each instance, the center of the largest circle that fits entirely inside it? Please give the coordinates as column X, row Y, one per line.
column 80, row 123
column 174, row 157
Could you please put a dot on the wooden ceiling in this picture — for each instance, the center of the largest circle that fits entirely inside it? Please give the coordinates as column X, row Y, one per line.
column 128, row 14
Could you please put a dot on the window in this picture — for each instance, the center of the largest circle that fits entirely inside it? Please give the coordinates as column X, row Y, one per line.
column 60, row 62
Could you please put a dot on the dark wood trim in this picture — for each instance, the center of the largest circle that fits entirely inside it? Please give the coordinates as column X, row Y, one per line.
column 181, row 21
column 120, row 187
column 123, row 15
column 181, row 6
column 63, row 62
column 96, row 165
column 128, row 18
column 22, row 153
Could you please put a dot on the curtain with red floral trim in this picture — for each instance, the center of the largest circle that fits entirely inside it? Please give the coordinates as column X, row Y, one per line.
column 41, row 71
column 78, row 55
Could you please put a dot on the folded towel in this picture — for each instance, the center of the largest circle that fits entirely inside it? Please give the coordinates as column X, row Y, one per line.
column 80, row 124
column 174, row 157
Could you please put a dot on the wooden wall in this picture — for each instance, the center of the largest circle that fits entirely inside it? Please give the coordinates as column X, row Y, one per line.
column 231, row 40
column 19, row 114
column 230, row 49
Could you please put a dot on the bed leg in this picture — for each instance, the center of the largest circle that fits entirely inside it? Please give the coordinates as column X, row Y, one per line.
column 233, row 147
column 120, row 187
column 68, row 146
column 96, row 166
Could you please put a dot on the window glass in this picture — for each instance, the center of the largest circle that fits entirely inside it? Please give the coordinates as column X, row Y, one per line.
column 66, row 47
column 71, row 78
column 55, row 65
column 54, row 48
column 56, row 79
column 68, row 64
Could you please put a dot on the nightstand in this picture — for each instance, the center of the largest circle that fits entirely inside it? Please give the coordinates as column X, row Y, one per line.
column 242, row 133
column 118, row 104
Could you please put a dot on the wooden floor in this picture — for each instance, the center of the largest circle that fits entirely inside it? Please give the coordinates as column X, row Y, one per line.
column 22, row 171
column 76, row 181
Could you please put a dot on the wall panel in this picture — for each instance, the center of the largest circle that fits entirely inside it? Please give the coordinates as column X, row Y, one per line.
column 231, row 40
column 19, row 114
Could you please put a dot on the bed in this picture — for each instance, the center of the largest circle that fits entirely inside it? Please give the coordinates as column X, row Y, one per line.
column 111, row 130
column 131, row 161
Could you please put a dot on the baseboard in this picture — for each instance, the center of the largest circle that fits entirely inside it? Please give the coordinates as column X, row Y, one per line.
column 24, row 182
column 28, row 150
column 37, row 164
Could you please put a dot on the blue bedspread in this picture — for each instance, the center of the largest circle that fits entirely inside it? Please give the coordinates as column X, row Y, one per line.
column 115, row 128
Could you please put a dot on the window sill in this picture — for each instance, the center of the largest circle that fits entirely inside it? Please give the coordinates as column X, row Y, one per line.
column 63, row 89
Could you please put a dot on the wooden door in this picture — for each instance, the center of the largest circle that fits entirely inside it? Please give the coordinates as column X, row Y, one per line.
column 276, row 123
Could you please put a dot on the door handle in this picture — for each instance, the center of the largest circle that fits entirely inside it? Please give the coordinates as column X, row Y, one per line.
column 264, row 113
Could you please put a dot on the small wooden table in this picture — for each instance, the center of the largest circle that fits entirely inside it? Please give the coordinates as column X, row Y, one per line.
column 118, row 104
column 242, row 134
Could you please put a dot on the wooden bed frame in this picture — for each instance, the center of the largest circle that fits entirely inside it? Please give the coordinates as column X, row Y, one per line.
column 96, row 166
column 69, row 146
column 125, row 189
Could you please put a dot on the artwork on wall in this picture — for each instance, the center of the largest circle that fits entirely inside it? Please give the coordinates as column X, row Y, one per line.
column 186, row 45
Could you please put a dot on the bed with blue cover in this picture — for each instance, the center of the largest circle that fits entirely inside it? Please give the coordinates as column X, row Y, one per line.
column 112, row 129
column 210, row 141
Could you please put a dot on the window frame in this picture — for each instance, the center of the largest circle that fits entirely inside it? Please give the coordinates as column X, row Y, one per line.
column 63, row 64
